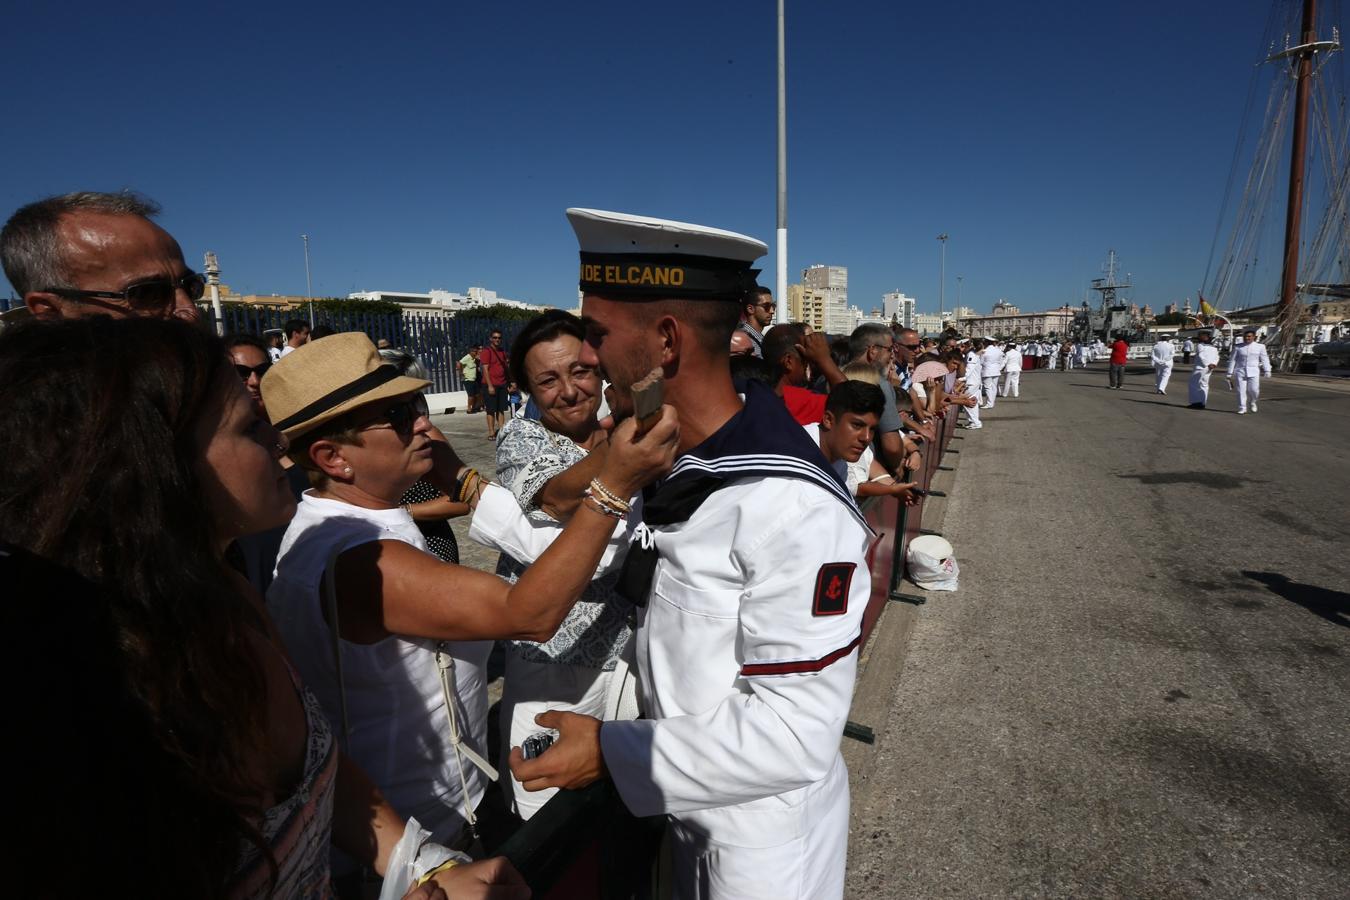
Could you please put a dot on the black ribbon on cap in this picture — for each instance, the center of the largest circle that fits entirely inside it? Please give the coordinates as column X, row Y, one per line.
column 367, row 382
column 672, row 275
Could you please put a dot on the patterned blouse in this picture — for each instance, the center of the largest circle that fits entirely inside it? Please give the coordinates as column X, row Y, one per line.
column 298, row 829
column 598, row 627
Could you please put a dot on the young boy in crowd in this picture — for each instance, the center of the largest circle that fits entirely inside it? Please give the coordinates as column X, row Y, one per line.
column 844, row 435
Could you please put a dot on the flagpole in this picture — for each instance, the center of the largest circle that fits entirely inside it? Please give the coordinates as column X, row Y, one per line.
column 780, row 283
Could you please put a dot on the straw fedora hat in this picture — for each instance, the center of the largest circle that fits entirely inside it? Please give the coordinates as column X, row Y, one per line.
column 321, row 380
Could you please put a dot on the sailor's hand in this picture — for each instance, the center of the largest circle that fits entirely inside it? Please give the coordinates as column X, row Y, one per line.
column 573, row 761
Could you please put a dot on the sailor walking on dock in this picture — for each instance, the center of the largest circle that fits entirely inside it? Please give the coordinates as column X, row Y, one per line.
column 1012, row 371
column 991, row 367
column 1206, row 361
column 1246, row 366
column 1163, row 354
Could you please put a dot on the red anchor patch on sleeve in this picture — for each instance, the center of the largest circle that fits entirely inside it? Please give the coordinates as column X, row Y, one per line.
column 831, row 597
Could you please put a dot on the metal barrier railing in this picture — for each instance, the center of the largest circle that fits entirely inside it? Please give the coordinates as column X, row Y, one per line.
column 585, row 844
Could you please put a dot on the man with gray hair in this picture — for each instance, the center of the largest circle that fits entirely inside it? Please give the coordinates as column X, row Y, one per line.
column 91, row 253
column 873, row 344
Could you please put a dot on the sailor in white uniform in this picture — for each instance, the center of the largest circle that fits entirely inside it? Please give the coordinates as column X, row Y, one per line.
column 1206, row 361
column 991, row 367
column 750, row 575
column 1246, row 365
column 974, row 384
column 1012, row 372
column 1162, row 356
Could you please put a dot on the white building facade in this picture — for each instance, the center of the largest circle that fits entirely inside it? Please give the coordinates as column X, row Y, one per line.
column 898, row 308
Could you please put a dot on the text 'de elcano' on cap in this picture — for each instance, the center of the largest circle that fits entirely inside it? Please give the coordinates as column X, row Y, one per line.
column 627, row 257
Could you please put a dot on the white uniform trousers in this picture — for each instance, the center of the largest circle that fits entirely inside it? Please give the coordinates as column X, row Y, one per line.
column 1054, row 361
column 990, row 390
column 534, row 687
column 973, row 412
column 1011, row 383
column 808, row 867
column 1200, row 385
column 1068, row 362
column 1164, row 375
column 1248, row 389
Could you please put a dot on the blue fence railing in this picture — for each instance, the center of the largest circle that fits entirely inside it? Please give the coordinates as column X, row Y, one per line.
column 439, row 341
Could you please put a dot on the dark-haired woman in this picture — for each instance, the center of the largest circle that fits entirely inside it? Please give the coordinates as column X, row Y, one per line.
column 546, row 465
column 133, row 457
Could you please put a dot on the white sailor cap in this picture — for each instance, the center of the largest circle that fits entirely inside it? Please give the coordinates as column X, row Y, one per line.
column 627, row 257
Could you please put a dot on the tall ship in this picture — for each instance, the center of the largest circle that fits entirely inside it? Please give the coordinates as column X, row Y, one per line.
column 1281, row 259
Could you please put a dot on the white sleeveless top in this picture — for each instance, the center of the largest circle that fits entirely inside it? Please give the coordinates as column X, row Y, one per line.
column 400, row 732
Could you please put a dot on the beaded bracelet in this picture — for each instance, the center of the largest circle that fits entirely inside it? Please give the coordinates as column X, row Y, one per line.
column 598, row 489
column 602, row 506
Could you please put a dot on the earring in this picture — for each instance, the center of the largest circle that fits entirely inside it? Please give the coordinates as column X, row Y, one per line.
column 347, row 471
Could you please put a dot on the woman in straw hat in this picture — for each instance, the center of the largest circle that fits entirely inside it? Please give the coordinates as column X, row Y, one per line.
column 133, row 457
column 392, row 638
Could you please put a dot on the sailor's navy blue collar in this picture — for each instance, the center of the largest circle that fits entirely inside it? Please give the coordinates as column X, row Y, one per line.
column 762, row 440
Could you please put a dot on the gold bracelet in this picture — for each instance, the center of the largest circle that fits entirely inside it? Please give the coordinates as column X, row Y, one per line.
column 443, row 867
column 464, row 480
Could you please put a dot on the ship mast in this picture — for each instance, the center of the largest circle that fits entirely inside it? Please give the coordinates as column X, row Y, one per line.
column 1303, row 54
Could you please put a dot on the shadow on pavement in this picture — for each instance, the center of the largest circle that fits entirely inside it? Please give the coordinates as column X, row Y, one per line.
column 1205, row 479
column 1334, row 606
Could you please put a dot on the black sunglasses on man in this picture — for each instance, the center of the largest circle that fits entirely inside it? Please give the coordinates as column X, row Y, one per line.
column 149, row 296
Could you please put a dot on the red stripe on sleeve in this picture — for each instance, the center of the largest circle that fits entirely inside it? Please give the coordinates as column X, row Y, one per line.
column 805, row 665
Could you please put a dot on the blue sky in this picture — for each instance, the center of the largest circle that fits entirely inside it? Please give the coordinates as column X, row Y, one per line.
column 436, row 145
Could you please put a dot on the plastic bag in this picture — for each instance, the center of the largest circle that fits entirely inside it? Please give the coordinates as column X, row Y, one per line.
column 929, row 572
column 400, row 874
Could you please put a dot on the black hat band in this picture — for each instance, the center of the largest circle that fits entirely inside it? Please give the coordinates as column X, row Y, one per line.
column 669, row 275
column 367, row 382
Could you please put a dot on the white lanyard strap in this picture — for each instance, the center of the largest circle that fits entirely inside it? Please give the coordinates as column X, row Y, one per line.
column 445, row 663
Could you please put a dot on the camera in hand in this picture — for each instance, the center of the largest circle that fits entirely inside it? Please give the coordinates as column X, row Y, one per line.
column 536, row 744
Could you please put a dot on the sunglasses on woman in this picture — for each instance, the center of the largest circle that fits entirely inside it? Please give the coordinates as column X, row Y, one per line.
column 245, row 371
column 143, row 296
column 400, row 416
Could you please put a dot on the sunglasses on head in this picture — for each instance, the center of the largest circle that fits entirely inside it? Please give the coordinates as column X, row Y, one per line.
column 401, row 417
column 143, row 296
column 245, row 371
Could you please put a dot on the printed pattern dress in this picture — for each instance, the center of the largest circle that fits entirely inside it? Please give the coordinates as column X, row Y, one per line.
column 597, row 629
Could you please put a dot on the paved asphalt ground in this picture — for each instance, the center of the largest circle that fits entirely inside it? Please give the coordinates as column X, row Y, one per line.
column 1142, row 688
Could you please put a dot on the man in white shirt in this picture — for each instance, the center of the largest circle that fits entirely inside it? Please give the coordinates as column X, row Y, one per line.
column 297, row 335
column 991, row 366
column 1206, row 361
column 1163, row 352
column 1247, row 364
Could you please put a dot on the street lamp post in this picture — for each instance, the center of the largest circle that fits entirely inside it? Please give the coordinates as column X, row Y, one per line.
column 309, row 289
column 958, row 294
column 942, row 278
